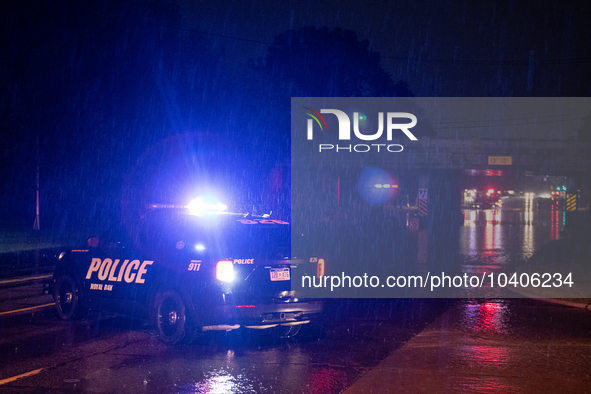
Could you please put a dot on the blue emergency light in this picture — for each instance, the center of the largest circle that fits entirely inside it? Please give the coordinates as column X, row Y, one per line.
column 206, row 205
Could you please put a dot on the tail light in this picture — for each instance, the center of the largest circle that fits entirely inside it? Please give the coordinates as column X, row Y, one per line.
column 320, row 268
column 224, row 271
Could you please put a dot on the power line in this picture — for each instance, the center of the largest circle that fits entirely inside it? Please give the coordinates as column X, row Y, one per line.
column 584, row 60
column 232, row 38
column 492, row 124
column 562, row 117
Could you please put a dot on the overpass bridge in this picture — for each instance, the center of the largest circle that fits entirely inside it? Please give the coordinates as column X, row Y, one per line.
column 439, row 167
column 540, row 156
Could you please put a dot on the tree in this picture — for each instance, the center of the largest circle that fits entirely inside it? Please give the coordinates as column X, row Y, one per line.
column 308, row 62
column 319, row 62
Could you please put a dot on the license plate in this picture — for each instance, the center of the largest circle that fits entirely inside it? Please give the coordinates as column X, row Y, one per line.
column 279, row 274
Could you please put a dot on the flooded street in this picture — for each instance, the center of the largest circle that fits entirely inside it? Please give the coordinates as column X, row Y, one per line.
column 380, row 346
column 516, row 346
column 359, row 346
column 499, row 241
column 511, row 234
column 119, row 355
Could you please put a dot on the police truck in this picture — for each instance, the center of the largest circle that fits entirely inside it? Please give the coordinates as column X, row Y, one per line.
column 190, row 269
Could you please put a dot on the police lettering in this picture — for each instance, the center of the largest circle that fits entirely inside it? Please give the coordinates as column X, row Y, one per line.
column 128, row 271
column 243, row 261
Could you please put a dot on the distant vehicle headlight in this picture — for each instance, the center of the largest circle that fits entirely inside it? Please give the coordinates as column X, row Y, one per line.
column 320, row 268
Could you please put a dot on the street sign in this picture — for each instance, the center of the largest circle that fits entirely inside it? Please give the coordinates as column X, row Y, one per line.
column 500, row 160
column 423, row 194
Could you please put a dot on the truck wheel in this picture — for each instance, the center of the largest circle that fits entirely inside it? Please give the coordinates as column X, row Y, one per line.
column 172, row 323
column 67, row 299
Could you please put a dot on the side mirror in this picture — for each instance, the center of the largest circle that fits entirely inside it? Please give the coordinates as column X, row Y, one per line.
column 93, row 242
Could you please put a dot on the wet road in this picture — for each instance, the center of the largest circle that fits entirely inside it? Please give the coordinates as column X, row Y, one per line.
column 361, row 346
column 110, row 354
column 366, row 346
column 494, row 346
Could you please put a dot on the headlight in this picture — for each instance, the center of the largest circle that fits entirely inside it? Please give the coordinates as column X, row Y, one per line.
column 320, row 268
column 224, row 271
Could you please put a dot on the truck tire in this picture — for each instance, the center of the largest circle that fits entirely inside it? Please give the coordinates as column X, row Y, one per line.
column 67, row 299
column 171, row 320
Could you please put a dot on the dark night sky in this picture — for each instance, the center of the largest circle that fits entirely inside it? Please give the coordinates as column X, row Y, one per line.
column 134, row 101
column 440, row 48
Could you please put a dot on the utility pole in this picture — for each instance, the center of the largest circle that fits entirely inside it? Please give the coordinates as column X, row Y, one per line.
column 36, row 224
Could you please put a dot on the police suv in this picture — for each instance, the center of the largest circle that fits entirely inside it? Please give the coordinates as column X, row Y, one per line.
column 191, row 269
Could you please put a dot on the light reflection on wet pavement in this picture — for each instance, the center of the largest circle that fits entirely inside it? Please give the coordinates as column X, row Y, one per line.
column 478, row 346
column 499, row 240
column 495, row 345
column 488, row 316
column 505, row 237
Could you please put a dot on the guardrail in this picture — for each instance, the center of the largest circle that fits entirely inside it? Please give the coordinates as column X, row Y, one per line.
column 28, row 280
column 25, row 294
column 25, row 279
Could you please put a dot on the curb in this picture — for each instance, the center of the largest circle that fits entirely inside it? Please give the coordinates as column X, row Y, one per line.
column 558, row 301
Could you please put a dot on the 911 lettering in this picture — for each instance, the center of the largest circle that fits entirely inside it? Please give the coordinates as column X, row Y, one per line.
column 129, row 272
